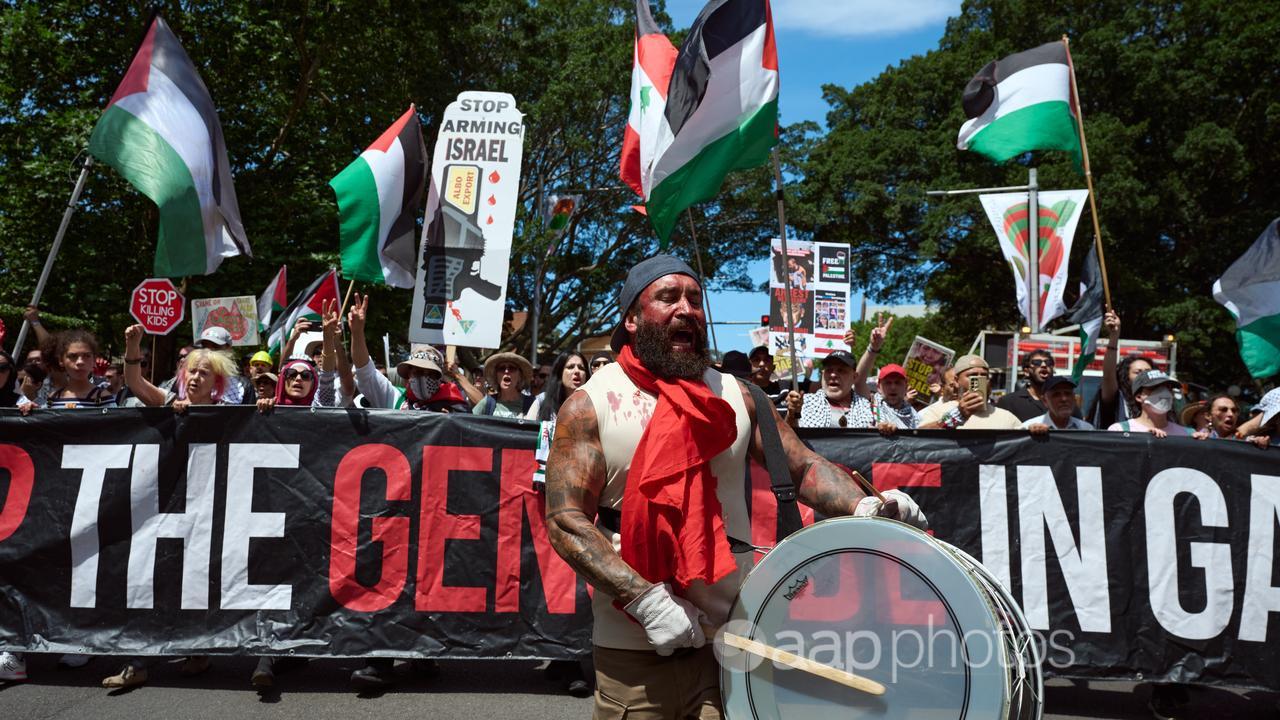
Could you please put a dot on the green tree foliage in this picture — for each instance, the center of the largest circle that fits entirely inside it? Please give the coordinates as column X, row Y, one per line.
column 301, row 89
column 1181, row 101
column 1182, row 110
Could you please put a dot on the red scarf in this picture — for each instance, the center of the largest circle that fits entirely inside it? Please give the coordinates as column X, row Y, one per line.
column 448, row 392
column 672, row 524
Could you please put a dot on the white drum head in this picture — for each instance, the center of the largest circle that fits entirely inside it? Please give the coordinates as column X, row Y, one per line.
column 876, row 598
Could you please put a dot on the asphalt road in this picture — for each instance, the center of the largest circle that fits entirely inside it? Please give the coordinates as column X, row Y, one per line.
column 469, row 690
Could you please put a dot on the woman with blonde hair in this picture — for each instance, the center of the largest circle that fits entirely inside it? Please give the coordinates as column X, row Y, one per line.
column 202, row 379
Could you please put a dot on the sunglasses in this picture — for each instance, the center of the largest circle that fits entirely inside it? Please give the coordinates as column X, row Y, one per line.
column 303, row 374
column 502, row 369
column 599, row 363
column 1039, row 362
column 6, row 367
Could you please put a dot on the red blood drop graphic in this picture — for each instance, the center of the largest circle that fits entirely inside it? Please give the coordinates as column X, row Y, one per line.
column 489, row 221
column 493, row 200
column 494, row 176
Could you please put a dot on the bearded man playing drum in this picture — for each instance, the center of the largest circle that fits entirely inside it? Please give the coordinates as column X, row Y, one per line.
column 656, row 446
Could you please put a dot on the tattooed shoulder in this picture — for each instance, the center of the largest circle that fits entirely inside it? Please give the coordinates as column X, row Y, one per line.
column 575, row 466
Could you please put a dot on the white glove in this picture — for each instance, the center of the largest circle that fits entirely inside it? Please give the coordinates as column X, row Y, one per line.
column 670, row 622
column 906, row 509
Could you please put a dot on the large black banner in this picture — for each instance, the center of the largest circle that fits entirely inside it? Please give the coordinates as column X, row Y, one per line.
column 380, row 533
column 388, row 533
column 1132, row 557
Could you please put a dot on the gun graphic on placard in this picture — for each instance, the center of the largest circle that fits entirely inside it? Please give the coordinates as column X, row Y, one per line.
column 455, row 246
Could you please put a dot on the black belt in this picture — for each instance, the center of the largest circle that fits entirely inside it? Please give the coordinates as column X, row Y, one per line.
column 611, row 520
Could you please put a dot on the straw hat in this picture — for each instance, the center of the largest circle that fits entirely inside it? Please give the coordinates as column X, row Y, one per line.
column 1189, row 413
column 428, row 359
column 491, row 367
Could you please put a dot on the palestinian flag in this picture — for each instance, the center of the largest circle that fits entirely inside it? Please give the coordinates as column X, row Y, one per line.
column 1250, row 291
column 722, row 108
column 305, row 306
column 1088, row 312
column 654, row 59
column 1023, row 102
column 161, row 132
column 379, row 195
column 272, row 300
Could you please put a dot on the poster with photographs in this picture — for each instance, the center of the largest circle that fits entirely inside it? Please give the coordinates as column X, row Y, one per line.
column 830, row 319
column 797, row 265
column 819, row 274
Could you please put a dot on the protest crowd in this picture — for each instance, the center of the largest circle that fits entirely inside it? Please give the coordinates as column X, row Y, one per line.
column 695, row 418
column 68, row 371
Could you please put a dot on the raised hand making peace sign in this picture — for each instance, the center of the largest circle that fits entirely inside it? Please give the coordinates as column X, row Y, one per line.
column 880, row 331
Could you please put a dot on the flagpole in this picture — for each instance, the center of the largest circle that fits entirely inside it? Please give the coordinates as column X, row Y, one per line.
column 1088, row 175
column 346, row 298
column 1033, row 251
column 706, row 295
column 789, row 320
column 53, row 251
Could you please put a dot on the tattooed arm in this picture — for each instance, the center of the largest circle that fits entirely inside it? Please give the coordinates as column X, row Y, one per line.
column 823, row 485
column 575, row 477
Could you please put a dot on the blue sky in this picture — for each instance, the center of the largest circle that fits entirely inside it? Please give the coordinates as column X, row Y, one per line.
column 841, row 42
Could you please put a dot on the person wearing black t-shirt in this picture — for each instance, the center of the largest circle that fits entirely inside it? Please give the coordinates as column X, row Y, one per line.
column 1027, row 402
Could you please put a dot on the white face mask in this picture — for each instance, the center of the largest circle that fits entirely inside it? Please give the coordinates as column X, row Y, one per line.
column 1160, row 400
column 424, row 387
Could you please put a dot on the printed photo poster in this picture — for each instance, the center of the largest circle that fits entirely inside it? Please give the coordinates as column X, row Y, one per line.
column 465, row 255
column 798, row 265
column 925, row 362
column 830, row 320
column 239, row 315
column 819, row 275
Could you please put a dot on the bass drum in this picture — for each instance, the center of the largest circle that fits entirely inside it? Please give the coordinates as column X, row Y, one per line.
column 883, row 601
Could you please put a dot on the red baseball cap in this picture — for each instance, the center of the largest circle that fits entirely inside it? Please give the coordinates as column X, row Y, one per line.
column 892, row 369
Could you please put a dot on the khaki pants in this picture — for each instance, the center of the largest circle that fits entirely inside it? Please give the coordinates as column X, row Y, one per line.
column 642, row 685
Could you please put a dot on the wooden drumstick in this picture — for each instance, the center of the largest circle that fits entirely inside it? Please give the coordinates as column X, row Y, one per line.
column 797, row 662
column 867, row 486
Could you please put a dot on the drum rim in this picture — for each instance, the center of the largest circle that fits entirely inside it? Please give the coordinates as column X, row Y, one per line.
column 940, row 547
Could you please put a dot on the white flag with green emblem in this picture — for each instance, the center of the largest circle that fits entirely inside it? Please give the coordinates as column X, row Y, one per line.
column 1059, row 213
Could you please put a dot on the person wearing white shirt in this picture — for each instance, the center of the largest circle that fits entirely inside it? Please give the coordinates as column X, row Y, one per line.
column 1059, row 395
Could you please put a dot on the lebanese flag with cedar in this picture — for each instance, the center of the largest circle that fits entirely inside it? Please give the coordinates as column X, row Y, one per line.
column 654, row 59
